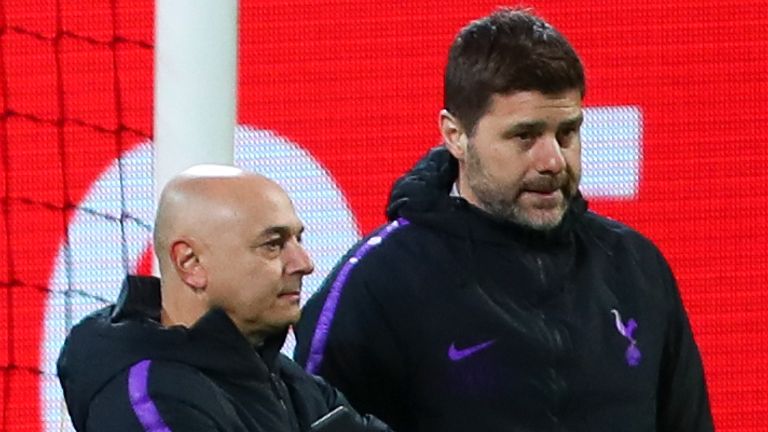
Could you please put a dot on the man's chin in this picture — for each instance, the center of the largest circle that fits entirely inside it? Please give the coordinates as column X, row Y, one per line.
column 541, row 219
column 285, row 318
column 295, row 318
column 290, row 317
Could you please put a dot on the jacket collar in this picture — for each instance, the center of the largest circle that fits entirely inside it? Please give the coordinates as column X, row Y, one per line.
column 140, row 299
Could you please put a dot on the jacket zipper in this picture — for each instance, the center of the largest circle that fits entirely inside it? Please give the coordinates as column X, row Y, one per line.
column 276, row 390
column 542, row 274
column 557, row 341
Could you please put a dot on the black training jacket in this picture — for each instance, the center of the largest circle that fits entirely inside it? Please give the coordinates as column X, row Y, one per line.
column 447, row 319
column 122, row 371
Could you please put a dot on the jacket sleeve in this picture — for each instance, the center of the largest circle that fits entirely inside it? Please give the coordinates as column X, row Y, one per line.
column 349, row 340
column 334, row 398
column 146, row 399
column 683, row 403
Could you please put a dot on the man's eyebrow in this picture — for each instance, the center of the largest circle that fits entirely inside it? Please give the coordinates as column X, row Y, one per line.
column 539, row 125
column 525, row 126
column 281, row 230
column 573, row 122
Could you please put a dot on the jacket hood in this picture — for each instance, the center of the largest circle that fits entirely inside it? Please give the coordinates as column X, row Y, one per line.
column 111, row 340
column 423, row 195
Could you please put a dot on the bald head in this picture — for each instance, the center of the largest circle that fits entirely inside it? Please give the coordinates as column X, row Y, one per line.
column 201, row 200
column 231, row 240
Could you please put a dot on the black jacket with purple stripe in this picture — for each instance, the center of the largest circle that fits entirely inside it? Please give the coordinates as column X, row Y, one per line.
column 122, row 371
column 447, row 319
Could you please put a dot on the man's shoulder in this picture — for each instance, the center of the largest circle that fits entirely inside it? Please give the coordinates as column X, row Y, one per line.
column 182, row 383
column 394, row 233
column 394, row 241
column 152, row 379
column 379, row 250
column 613, row 235
column 172, row 378
column 160, row 392
column 608, row 228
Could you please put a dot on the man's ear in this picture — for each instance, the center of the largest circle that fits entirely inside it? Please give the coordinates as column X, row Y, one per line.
column 453, row 134
column 186, row 262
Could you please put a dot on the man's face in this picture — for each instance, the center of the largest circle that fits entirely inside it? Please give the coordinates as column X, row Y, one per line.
column 255, row 263
column 523, row 162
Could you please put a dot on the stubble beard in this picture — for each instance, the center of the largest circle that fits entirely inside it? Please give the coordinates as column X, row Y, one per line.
column 504, row 202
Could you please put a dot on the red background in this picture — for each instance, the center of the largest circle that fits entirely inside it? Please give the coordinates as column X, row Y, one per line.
column 358, row 84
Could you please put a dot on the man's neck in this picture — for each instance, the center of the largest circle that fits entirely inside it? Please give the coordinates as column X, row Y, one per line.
column 172, row 314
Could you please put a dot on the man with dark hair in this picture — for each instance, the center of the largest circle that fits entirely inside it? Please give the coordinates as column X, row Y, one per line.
column 199, row 349
column 493, row 300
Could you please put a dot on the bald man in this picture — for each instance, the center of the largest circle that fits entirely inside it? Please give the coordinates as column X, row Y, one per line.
column 198, row 349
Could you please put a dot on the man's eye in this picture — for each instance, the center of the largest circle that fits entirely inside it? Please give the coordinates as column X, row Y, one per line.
column 274, row 245
column 566, row 136
column 524, row 136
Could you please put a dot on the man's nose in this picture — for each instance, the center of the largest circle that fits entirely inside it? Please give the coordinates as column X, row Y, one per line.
column 298, row 260
column 548, row 155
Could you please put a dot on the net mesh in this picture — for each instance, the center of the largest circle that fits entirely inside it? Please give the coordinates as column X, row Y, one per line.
column 74, row 78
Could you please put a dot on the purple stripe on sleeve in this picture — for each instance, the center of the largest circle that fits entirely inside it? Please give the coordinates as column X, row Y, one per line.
column 145, row 409
column 323, row 326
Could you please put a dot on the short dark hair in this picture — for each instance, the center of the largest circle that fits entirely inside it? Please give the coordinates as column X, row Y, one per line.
column 507, row 51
